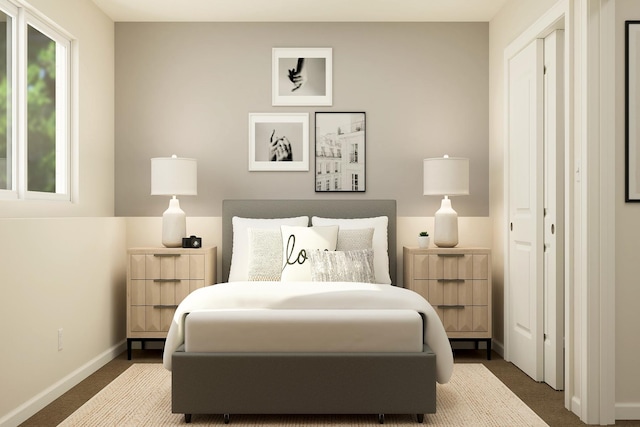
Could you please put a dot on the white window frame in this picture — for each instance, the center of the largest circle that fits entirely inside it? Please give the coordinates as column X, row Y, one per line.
column 22, row 18
column 12, row 146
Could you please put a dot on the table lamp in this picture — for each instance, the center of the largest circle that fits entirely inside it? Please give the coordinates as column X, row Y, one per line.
column 174, row 176
column 446, row 176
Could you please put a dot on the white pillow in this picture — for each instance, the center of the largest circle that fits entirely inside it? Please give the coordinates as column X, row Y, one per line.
column 297, row 242
column 265, row 255
column 354, row 240
column 239, row 270
column 380, row 243
column 342, row 266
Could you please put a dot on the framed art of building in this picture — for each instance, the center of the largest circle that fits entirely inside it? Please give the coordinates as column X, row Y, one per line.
column 340, row 152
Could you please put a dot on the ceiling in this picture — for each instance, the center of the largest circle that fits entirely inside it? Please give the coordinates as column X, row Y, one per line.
column 301, row 10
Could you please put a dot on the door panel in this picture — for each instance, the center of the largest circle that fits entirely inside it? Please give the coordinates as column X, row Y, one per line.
column 525, row 206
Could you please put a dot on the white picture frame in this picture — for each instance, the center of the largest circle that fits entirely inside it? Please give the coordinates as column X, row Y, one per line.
column 278, row 141
column 302, row 76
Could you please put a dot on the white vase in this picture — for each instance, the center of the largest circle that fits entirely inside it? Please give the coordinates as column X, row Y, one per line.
column 423, row 242
column 174, row 225
column 445, row 228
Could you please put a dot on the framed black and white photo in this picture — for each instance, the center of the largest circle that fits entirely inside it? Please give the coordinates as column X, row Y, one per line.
column 302, row 76
column 632, row 111
column 278, row 142
column 340, row 152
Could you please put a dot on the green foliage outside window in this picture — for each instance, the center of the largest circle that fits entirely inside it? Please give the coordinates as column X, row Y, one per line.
column 4, row 107
column 41, row 112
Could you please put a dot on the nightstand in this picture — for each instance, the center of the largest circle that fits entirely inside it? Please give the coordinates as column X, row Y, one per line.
column 457, row 283
column 158, row 279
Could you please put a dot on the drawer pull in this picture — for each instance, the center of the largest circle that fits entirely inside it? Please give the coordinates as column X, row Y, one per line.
column 450, row 306
column 166, row 306
column 451, row 280
column 450, row 255
column 166, row 280
column 166, row 255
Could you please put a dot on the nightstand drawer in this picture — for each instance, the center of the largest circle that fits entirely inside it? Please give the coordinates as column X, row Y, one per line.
column 167, row 266
column 145, row 318
column 162, row 291
column 465, row 319
column 450, row 266
column 453, row 292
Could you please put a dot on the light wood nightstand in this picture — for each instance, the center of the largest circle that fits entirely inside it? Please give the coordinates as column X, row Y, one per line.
column 457, row 283
column 158, row 279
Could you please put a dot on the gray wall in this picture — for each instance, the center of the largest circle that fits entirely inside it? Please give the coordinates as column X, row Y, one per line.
column 187, row 89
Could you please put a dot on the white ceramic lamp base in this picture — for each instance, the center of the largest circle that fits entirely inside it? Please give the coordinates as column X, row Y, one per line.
column 445, row 234
column 174, row 225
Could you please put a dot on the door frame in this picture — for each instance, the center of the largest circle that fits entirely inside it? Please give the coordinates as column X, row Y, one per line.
column 589, row 201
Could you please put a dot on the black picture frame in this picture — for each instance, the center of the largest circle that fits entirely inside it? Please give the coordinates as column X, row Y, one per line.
column 340, row 152
column 632, row 111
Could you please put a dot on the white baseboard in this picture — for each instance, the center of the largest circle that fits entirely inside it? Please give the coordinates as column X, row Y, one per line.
column 576, row 405
column 42, row 399
column 498, row 347
column 627, row 411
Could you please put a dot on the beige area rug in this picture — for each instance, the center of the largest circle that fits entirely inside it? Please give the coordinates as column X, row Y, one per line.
column 141, row 396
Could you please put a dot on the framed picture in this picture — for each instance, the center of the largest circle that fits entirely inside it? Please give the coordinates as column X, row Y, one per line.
column 340, row 152
column 278, row 142
column 632, row 111
column 302, row 76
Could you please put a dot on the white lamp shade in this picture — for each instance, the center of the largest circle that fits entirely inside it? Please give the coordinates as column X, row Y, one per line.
column 446, row 176
column 174, row 176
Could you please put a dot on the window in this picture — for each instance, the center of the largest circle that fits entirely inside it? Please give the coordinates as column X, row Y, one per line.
column 34, row 110
column 353, row 155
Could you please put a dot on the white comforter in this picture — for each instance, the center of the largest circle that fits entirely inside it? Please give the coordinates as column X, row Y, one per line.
column 312, row 295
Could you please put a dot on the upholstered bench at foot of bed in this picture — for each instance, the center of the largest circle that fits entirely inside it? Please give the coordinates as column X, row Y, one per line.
column 304, row 383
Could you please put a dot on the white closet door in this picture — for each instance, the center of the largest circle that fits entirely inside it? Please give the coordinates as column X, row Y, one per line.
column 526, row 136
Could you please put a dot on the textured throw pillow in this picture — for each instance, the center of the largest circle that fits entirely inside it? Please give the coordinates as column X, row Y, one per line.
column 296, row 244
column 352, row 240
column 265, row 254
column 380, row 244
column 240, row 250
column 342, row 266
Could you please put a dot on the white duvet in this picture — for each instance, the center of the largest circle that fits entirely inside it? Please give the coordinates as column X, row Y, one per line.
column 313, row 295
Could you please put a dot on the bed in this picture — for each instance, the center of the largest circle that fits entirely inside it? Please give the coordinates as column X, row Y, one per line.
column 265, row 346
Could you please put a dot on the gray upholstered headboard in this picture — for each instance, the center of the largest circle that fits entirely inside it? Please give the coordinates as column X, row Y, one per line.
column 291, row 208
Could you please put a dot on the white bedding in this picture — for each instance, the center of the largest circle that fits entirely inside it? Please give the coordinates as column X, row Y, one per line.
column 313, row 295
column 306, row 331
